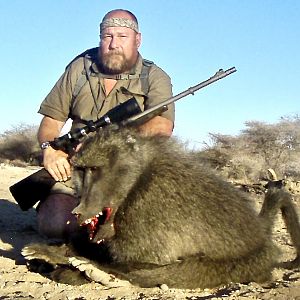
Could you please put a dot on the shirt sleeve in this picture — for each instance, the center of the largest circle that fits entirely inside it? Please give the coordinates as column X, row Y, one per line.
column 58, row 102
column 160, row 89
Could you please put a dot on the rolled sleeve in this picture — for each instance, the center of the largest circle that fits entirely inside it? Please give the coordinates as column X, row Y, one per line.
column 58, row 102
column 160, row 89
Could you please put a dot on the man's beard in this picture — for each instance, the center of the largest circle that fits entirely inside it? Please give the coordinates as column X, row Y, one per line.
column 115, row 63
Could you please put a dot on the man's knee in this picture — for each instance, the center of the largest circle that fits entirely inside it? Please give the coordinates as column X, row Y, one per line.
column 55, row 218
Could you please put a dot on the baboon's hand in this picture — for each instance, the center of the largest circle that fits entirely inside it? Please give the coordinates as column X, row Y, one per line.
column 49, row 253
column 92, row 272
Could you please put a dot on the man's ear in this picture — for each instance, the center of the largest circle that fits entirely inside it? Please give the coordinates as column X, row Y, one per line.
column 138, row 39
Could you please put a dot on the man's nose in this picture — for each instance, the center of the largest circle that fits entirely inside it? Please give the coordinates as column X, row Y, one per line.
column 113, row 43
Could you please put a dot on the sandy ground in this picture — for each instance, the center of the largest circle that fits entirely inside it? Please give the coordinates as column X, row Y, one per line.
column 18, row 228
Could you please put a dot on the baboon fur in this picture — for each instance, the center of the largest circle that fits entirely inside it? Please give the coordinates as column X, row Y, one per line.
column 174, row 220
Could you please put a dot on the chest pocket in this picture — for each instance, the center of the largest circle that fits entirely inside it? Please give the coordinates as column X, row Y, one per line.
column 129, row 92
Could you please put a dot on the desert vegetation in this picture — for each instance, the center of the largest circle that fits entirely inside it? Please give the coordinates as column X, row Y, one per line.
column 245, row 157
column 259, row 146
column 19, row 145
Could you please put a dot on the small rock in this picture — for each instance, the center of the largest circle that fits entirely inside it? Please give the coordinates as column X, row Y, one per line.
column 164, row 287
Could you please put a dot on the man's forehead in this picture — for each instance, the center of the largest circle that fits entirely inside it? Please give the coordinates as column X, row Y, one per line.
column 117, row 30
column 118, row 22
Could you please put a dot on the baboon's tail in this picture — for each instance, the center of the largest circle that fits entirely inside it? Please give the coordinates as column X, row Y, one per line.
column 279, row 199
column 202, row 272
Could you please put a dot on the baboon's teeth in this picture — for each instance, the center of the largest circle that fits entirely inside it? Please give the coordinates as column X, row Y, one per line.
column 68, row 222
column 100, row 241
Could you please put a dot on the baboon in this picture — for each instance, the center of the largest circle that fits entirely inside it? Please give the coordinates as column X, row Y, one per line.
column 156, row 214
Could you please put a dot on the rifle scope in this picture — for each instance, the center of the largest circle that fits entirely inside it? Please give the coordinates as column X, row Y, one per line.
column 118, row 114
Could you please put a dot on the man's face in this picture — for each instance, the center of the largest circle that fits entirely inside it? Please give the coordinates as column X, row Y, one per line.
column 119, row 49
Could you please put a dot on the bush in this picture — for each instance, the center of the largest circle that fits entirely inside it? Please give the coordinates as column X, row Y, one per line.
column 19, row 143
column 259, row 147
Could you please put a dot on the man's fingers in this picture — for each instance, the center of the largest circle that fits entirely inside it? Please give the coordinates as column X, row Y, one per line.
column 60, row 170
column 67, row 167
column 57, row 164
column 54, row 173
column 63, row 168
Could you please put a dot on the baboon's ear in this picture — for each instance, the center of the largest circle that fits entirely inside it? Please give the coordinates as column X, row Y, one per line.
column 131, row 141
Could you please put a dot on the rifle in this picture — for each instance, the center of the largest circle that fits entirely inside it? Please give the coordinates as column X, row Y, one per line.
column 41, row 181
column 125, row 114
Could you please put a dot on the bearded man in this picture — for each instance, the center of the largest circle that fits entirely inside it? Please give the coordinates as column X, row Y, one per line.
column 116, row 73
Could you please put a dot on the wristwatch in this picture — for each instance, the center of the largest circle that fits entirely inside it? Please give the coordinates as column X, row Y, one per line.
column 45, row 145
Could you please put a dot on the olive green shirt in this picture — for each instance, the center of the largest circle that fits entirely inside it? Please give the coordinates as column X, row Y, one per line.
column 60, row 105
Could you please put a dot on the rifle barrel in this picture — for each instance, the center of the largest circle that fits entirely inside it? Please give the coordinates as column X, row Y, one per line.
column 218, row 75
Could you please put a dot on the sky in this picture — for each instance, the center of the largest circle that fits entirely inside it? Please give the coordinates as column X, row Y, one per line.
column 189, row 39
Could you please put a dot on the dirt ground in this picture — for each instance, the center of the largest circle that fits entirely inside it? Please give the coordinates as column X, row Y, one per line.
column 18, row 228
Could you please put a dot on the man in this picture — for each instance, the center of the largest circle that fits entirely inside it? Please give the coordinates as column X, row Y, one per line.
column 115, row 76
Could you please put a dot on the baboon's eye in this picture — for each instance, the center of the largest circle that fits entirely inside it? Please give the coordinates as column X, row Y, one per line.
column 94, row 168
column 79, row 169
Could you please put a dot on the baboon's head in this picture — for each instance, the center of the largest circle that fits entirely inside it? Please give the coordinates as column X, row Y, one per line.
column 105, row 169
column 107, row 147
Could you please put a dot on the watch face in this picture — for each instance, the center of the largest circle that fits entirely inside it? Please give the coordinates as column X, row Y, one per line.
column 45, row 145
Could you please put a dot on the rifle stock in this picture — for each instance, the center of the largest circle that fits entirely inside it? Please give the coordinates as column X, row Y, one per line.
column 28, row 191
column 37, row 186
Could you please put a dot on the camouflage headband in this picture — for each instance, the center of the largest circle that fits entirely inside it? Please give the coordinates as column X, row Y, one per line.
column 119, row 22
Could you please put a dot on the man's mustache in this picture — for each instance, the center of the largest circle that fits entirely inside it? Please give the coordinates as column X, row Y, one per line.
column 114, row 52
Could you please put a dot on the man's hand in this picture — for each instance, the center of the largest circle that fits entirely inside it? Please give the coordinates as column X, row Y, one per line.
column 55, row 161
column 57, row 164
